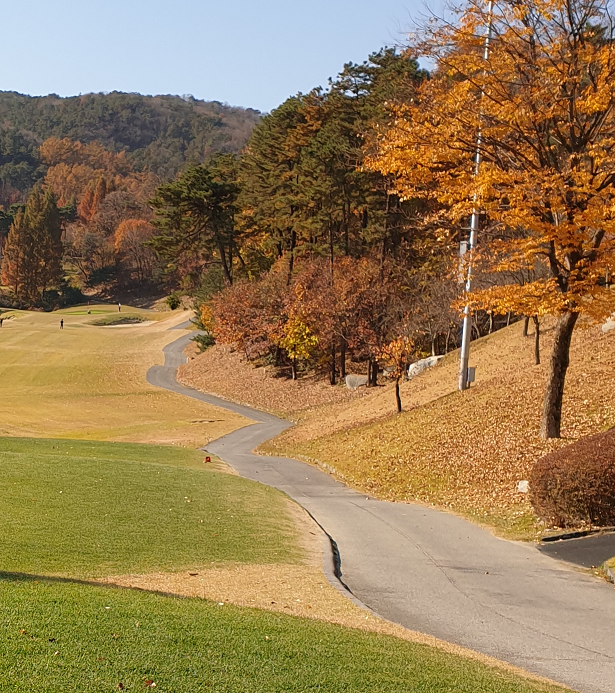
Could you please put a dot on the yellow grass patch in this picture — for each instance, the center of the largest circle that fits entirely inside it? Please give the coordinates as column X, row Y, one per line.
column 89, row 382
column 294, row 590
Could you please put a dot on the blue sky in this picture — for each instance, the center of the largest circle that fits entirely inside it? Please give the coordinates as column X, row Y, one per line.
column 245, row 52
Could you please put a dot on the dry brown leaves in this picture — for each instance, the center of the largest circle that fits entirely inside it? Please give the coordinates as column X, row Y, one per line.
column 466, row 452
column 462, row 452
column 224, row 372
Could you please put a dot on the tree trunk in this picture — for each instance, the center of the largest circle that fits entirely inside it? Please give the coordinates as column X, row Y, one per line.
column 536, row 340
column 397, row 397
column 331, row 248
column 526, row 324
column 447, row 340
column 225, row 267
column 373, row 373
column 343, row 359
column 508, row 319
column 490, row 323
column 550, row 426
column 291, row 256
column 278, row 356
column 433, row 344
column 332, row 379
column 294, row 367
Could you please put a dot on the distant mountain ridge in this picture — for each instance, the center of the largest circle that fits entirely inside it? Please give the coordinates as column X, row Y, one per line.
column 159, row 133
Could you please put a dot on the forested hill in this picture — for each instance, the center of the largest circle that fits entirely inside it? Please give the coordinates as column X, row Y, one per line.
column 160, row 133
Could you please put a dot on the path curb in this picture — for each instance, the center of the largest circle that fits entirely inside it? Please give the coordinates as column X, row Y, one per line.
column 577, row 535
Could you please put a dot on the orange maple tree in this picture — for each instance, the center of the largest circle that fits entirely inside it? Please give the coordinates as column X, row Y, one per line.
column 396, row 355
column 542, row 106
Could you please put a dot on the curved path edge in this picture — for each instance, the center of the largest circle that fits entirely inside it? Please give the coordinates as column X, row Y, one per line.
column 431, row 571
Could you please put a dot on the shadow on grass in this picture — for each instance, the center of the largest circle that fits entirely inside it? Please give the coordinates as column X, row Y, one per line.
column 7, row 576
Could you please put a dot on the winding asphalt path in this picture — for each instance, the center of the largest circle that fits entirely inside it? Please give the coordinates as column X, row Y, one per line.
column 432, row 571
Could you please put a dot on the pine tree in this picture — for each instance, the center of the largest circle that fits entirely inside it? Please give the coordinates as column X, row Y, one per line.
column 33, row 252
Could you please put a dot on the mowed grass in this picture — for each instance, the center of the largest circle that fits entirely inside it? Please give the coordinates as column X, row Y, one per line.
column 74, row 510
column 87, row 381
column 72, row 637
column 84, row 509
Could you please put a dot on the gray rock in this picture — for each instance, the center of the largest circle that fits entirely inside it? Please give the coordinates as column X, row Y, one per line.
column 355, row 381
column 608, row 325
column 419, row 366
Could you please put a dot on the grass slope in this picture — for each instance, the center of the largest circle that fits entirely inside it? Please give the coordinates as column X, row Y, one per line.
column 70, row 637
column 79, row 509
column 89, row 382
column 463, row 451
column 84, row 509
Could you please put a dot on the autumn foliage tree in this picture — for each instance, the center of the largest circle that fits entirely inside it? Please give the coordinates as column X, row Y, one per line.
column 32, row 259
column 544, row 104
column 397, row 354
column 131, row 238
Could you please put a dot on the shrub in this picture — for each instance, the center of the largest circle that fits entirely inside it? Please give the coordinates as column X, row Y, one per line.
column 174, row 300
column 204, row 341
column 576, row 485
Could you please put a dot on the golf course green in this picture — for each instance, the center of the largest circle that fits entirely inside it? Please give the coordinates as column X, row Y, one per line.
column 89, row 492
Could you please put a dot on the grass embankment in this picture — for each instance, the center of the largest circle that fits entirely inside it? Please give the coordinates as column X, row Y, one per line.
column 460, row 452
column 100, row 638
column 466, row 452
column 89, row 382
column 74, row 511
column 84, row 509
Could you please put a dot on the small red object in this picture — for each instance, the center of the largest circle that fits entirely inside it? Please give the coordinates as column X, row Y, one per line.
column 208, row 459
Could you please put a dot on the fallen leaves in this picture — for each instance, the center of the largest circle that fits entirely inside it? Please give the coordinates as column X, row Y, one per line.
column 466, row 452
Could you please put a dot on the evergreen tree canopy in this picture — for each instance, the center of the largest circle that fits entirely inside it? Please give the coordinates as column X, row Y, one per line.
column 32, row 259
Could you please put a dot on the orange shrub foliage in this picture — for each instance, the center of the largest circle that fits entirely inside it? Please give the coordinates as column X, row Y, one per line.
column 576, row 485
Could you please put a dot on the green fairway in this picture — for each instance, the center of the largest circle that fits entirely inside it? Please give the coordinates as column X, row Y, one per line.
column 75, row 509
column 94, row 509
column 70, row 637
column 87, row 381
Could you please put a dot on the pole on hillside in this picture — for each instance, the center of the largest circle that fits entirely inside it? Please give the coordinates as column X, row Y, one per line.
column 468, row 247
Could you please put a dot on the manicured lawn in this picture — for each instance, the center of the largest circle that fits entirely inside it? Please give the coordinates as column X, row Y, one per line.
column 90, row 382
column 95, row 509
column 61, row 637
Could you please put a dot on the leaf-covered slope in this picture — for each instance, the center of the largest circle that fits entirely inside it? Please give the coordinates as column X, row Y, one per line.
column 160, row 133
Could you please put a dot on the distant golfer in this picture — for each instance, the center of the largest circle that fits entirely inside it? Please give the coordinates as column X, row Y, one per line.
column 1, row 321
column 62, row 324
column 119, row 307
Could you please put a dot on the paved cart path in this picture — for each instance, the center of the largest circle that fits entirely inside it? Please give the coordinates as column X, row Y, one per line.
column 433, row 571
column 589, row 551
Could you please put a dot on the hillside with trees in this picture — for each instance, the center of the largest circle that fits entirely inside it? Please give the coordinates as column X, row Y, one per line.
column 336, row 234
column 160, row 134
column 332, row 237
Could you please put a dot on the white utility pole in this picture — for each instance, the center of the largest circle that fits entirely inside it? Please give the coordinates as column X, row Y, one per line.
column 466, row 334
